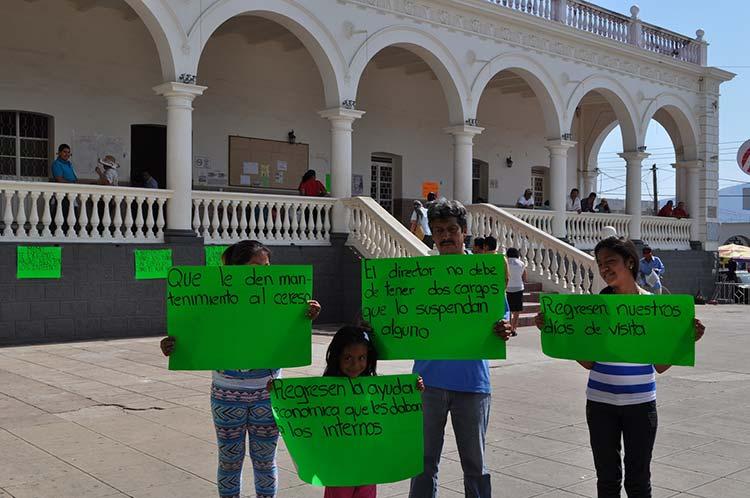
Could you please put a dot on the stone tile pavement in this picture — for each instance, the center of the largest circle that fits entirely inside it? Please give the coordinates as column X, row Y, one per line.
column 107, row 419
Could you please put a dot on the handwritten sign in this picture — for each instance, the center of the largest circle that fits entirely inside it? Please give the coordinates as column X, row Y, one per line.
column 619, row 328
column 151, row 264
column 333, row 426
column 38, row 262
column 239, row 317
column 435, row 307
column 213, row 255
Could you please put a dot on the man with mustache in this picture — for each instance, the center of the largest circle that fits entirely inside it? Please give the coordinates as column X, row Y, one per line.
column 458, row 387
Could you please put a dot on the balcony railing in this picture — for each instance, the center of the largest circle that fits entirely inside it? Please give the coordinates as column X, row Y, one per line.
column 585, row 16
column 55, row 212
column 60, row 213
column 226, row 217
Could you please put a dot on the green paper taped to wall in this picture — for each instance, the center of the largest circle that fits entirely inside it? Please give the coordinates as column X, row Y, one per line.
column 38, row 262
column 151, row 264
column 435, row 307
column 213, row 255
column 351, row 432
column 239, row 317
column 648, row 329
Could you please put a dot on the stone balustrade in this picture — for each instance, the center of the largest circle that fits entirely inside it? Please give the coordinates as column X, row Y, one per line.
column 227, row 217
column 55, row 212
column 374, row 234
column 588, row 17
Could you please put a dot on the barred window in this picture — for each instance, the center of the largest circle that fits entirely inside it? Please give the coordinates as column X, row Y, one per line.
column 24, row 146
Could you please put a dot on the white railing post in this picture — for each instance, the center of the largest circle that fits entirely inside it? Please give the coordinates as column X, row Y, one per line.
column 179, row 98
column 558, row 166
column 341, row 119
column 634, row 161
column 702, row 56
column 463, row 146
column 635, row 28
column 560, row 10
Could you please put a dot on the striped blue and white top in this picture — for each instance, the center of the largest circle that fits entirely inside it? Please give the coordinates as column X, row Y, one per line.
column 244, row 379
column 621, row 383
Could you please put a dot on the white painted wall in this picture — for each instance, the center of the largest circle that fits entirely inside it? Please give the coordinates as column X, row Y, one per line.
column 92, row 66
column 259, row 91
column 92, row 71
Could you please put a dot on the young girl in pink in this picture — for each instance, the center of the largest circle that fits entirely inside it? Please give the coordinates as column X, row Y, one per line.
column 351, row 354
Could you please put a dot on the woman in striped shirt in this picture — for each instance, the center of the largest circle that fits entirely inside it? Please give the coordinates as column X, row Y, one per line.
column 621, row 397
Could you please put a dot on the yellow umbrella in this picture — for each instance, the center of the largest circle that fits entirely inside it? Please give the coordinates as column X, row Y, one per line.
column 734, row 251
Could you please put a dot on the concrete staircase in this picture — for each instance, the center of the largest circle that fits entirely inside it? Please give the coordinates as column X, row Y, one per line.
column 530, row 304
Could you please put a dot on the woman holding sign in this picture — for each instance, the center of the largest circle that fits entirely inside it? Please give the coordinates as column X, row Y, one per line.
column 621, row 397
column 241, row 405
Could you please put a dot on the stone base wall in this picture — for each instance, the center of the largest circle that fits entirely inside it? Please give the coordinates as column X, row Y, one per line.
column 97, row 295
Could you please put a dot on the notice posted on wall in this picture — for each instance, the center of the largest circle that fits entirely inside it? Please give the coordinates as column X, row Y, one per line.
column 152, row 264
column 213, row 255
column 647, row 329
column 435, row 307
column 38, row 262
column 331, row 425
column 239, row 317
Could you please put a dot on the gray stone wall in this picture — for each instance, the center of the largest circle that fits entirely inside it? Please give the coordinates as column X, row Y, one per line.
column 97, row 295
column 687, row 272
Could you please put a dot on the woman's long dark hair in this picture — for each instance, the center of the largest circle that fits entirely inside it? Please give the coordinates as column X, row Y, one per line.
column 310, row 173
column 242, row 252
column 347, row 336
column 624, row 248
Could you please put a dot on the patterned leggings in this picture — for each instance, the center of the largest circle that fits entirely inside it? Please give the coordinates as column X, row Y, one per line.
column 237, row 412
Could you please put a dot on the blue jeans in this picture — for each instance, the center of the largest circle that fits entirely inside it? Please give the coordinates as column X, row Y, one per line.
column 470, row 413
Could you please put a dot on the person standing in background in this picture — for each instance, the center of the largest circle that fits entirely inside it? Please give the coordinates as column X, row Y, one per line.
column 62, row 168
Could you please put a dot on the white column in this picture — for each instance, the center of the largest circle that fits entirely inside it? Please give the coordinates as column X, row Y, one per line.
column 558, row 179
column 341, row 160
column 589, row 181
column 633, row 161
column 691, row 171
column 680, row 181
column 463, row 154
column 179, row 155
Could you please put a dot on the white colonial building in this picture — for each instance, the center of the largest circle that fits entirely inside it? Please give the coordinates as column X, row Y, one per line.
column 474, row 98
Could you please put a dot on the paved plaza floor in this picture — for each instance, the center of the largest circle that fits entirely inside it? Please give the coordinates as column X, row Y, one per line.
column 107, row 419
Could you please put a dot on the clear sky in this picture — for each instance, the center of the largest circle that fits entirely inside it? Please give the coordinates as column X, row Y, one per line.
column 726, row 25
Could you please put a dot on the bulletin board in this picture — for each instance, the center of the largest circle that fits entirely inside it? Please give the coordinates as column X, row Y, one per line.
column 260, row 163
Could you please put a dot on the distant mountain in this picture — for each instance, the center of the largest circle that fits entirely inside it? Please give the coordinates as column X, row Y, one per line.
column 734, row 203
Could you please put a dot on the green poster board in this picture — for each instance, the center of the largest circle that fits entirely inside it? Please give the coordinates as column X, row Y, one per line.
column 151, row 264
column 435, row 307
column 213, row 255
column 351, row 432
column 328, row 182
column 38, row 262
column 239, row 317
column 619, row 328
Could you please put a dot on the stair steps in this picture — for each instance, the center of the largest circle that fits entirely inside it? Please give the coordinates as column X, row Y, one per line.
column 530, row 304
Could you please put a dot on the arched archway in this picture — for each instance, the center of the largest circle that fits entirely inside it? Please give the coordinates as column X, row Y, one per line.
column 535, row 76
column 429, row 49
column 167, row 33
column 618, row 98
column 115, row 52
column 674, row 114
column 519, row 108
column 301, row 22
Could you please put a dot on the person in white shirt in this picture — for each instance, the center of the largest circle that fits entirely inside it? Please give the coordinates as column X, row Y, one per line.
column 108, row 175
column 573, row 202
column 526, row 201
column 515, row 286
column 419, row 225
